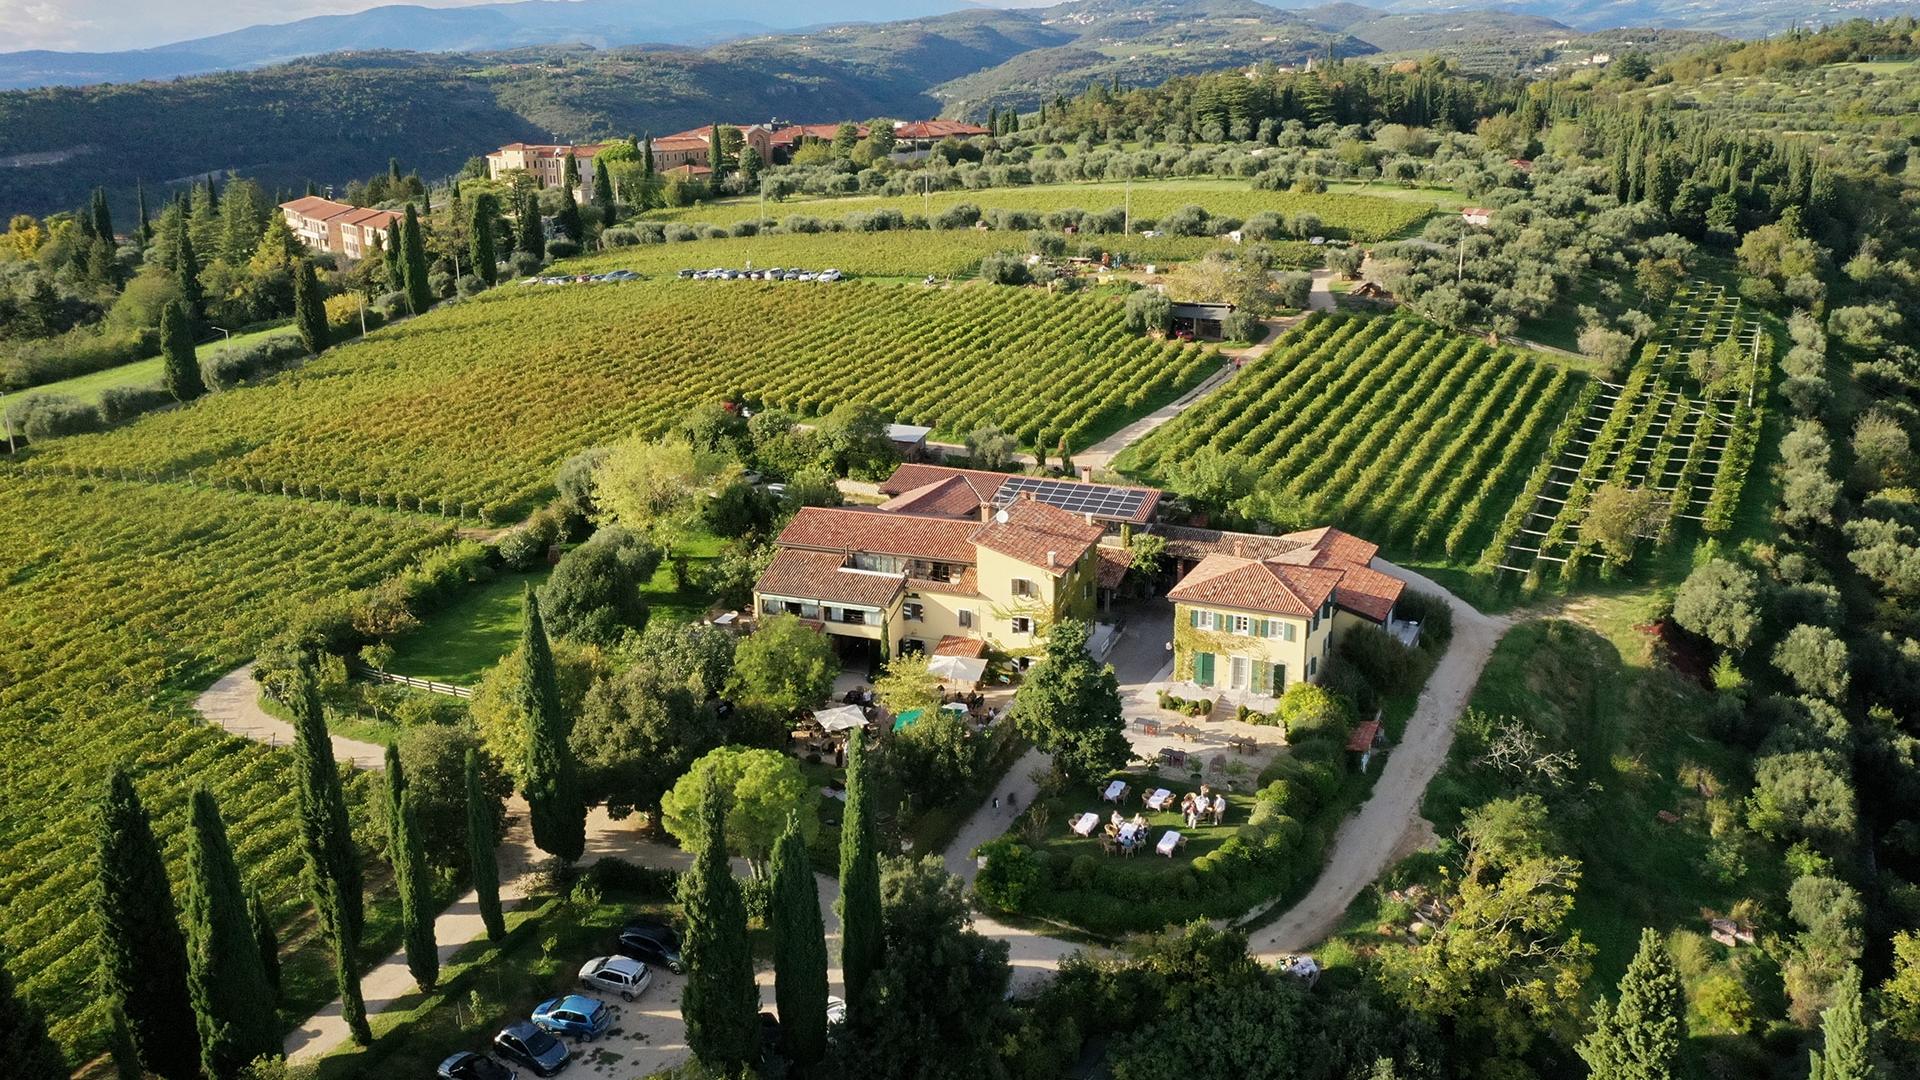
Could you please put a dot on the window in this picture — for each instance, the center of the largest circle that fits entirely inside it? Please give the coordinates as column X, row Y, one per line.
column 1242, row 625
column 887, row 564
column 913, row 612
column 1313, row 666
column 1023, row 587
column 1086, row 591
column 853, row 617
column 1313, row 627
column 1022, row 625
column 966, row 618
column 1289, row 631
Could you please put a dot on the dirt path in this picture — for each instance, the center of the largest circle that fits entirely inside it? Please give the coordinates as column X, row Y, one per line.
column 233, row 703
column 1367, row 842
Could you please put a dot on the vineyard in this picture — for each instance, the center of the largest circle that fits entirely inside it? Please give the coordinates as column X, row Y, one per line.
column 119, row 599
column 466, row 412
column 896, row 253
column 1659, row 428
column 1343, row 214
column 1390, row 429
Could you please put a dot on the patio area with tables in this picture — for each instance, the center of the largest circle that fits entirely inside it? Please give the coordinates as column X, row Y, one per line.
column 1141, row 815
column 1226, row 753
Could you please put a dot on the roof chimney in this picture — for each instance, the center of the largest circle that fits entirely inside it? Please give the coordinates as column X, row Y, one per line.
column 1089, row 517
column 1052, row 558
column 1086, row 474
column 986, row 512
column 1239, row 549
column 1027, row 494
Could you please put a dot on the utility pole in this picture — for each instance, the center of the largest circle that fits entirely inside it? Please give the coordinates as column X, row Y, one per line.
column 1460, row 271
column 1127, row 228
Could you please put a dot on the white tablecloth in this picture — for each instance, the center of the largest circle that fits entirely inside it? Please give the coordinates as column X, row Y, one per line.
column 1168, row 843
column 1160, row 799
column 1115, row 791
column 1085, row 824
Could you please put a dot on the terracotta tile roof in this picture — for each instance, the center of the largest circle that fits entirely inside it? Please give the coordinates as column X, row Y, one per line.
column 1254, row 585
column 818, row 575
column 314, row 206
column 1187, row 542
column 372, row 219
column 846, row 529
column 689, row 170
column 680, row 142
column 1362, row 738
column 1369, row 593
column 1359, row 588
column 913, row 475
column 936, row 129
column 967, row 584
column 1335, row 548
column 953, row 645
column 955, row 497
column 1030, row 530
column 1114, row 564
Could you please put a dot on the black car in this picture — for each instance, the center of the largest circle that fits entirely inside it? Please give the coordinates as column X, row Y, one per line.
column 652, row 941
column 528, row 1045
column 470, row 1066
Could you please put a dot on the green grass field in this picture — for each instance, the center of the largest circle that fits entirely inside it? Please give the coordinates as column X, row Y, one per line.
column 146, row 372
column 458, row 643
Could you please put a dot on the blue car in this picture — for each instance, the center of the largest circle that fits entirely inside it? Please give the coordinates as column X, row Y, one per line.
column 574, row 1016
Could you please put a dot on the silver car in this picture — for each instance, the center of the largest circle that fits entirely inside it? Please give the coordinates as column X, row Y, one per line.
column 616, row 975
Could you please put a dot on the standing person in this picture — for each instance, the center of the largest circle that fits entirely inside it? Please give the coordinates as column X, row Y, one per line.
column 1219, row 809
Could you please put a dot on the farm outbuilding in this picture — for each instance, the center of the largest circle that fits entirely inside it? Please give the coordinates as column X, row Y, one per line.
column 1204, row 321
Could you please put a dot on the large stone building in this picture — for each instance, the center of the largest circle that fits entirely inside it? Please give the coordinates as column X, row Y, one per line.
column 353, row 232
column 546, row 162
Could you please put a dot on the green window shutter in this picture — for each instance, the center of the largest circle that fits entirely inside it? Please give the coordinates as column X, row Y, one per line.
column 1279, row 679
column 1203, row 668
column 1289, row 629
column 1259, row 678
column 1193, row 618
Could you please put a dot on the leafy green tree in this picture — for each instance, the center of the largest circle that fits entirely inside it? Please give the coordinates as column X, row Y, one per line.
column 1815, row 659
column 762, row 789
column 799, row 949
column 31, row 1052
column 182, row 367
column 1619, row 515
column 853, row 439
column 862, row 944
column 143, row 955
column 332, row 861
column 554, row 804
column 1638, row 1037
column 594, row 594
column 1261, row 1029
column 641, row 730
column 413, row 263
column 659, row 486
column 720, row 1002
column 410, row 876
column 988, row 447
column 232, row 1000
column 785, row 666
column 309, row 310
column 908, row 683
column 482, row 839
column 266, row 937
column 1843, row 1054
column 480, row 249
column 1070, row 708
column 1720, row 602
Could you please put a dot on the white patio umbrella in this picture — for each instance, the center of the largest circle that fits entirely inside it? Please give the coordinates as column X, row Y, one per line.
column 959, row 670
column 840, row 718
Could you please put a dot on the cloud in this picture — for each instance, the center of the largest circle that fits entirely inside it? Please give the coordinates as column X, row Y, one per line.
column 111, row 25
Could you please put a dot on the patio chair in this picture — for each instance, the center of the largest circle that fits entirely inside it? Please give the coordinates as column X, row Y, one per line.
column 1218, row 764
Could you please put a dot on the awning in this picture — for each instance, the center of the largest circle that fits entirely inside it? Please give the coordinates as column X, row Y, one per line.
column 954, row 707
column 840, row 718
column 966, row 670
column 907, row 719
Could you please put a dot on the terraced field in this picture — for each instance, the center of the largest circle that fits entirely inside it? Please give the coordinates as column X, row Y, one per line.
column 466, row 411
column 1396, row 431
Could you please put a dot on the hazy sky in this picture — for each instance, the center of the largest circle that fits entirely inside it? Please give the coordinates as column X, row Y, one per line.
column 107, row 25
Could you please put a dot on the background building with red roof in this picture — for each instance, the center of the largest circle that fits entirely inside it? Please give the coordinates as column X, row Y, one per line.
column 352, row 232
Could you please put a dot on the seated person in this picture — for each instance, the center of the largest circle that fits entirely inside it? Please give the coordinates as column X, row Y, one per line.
column 1139, row 821
column 1114, row 818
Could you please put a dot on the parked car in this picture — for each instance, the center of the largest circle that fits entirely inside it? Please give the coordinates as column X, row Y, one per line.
column 527, row 1045
column 836, row 1010
column 621, row 975
column 830, row 275
column 652, row 941
column 467, row 1065
column 576, row 1016
column 685, row 273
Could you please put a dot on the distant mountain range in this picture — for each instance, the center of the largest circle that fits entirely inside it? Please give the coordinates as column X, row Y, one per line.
column 606, row 24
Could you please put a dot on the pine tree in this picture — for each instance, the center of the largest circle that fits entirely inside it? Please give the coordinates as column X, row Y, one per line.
column 309, row 311
column 265, row 937
column 860, row 941
column 720, row 1002
column 31, row 1053
column 603, row 192
column 554, row 803
column 143, row 955
column 182, row 373
column 481, row 845
column 1638, row 1037
column 332, row 866
column 486, row 262
column 1843, row 1035
column 225, row 981
column 799, row 950
column 410, row 876
column 413, row 263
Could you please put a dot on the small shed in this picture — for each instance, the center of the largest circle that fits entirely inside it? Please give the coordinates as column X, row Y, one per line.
column 1203, row 320
column 1366, row 738
column 909, row 440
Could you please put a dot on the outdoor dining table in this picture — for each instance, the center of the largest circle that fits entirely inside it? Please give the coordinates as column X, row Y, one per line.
column 1160, row 799
column 1115, row 791
column 1168, row 843
column 1131, row 833
column 1086, row 823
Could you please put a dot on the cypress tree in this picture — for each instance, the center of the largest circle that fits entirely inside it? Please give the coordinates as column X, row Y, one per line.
column 715, row 159
column 1638, row 1037
column 225, row 981
column 555, row 807
column 391, row 250
column 413, row 263
column 332, row 865
column 603, row 191
column 182, row 372
column 309, row 311
column 486, row 262
column 265, row 937
column 186, row 266
column 481, row 845
column 646, row 157
column 1843, row 1034
column 102, row 215
column 410, row 878
column 860, row 942
column 568, row 219
column 570, row 172
column 799, row 950
column 31, row 1052
column 144, row 232
column 143, row 957
column 720, row 1002
column 532, row 238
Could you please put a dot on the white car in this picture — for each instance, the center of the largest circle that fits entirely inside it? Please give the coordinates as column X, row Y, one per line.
column 829, row 275
column 616, row 975
column 836, row 1010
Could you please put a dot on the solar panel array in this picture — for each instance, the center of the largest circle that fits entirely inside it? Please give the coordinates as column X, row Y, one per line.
column 1099, row 500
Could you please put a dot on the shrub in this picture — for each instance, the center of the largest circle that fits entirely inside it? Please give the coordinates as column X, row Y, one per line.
column 614, row 873
column 393, row 305
column 118, row 403
column 1148, row 311
column 440, row 283
column 77, row 352
column 1386, row 664
column 524, row 263
column 1243, row 326
column 1005, row 269
column 232, row 367
column 526, row 547
column 469, row 285
column 1010, row 877
column 562, row 249
column 44, row 416
column 618, row 237
column 1308, row 711
column 957, row 216
column 1434, row 615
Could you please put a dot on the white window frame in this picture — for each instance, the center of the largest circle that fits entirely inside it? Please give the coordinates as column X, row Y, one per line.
column 1021, row 624
column 1243, row 625
column 966, row 618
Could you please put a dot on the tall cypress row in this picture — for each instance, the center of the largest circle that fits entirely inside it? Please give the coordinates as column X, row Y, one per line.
column 31, row 1053
column 390, row 252
column 410, row 878
column 486, row 261
column 181, row 371
column 603, row 191
column 309, row 310
column 186, row 266
column 265, row 937
column 143, row 957
column 799, row 950
column 333, row 872
column 225, row 980
column 532, row 236
column 102, row 215
column 555, row 806
column 720, row 1002
column 481, row 845
column 413, row 263
column 860, row 941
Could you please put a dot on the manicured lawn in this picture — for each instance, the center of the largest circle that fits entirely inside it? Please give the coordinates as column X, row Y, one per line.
column 1062, row 809
column 142, row 372
column 461, row 641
